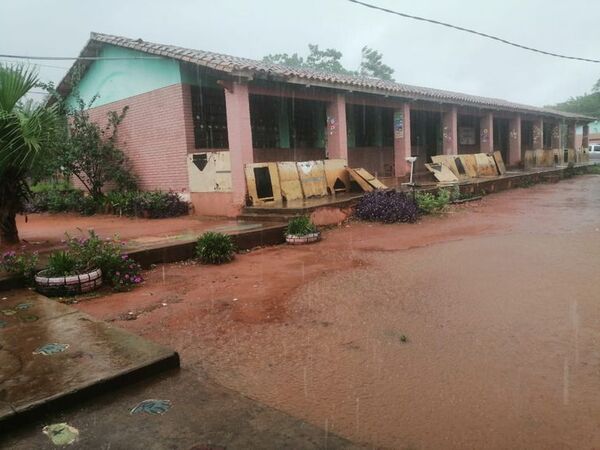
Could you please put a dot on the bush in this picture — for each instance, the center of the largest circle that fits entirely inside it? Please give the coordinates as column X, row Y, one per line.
column 54, row 196
column 215, row 248
column 429, row 203
column 23, row 265
column 386, row 206
column 153, row 205
column 92, row 252
column 300, row 226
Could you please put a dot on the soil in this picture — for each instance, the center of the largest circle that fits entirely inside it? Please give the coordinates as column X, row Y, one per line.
column 44, row 231
column 477, row 328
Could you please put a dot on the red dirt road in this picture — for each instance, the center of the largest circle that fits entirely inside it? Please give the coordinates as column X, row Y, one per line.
column 45, row 231
column 499, row 301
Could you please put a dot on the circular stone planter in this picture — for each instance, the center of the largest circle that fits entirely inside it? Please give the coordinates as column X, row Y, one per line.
column 294, row 239
column 71, row 285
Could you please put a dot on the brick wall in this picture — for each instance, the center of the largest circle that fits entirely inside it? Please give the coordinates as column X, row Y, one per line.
column 156, row 135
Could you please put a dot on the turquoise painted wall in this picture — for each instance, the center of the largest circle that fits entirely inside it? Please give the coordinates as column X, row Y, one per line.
column 118, row 79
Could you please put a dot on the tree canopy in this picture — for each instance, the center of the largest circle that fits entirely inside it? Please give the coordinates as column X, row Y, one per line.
column 329, row 60
column 588, row 104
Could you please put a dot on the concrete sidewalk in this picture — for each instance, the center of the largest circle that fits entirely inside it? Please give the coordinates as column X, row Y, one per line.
column 51, row 352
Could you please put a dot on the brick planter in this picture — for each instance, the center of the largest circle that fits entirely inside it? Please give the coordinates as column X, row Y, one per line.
column 71, row 285
column 305, row 239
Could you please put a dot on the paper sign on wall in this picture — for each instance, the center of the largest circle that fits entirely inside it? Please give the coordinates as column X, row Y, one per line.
column 398, row 124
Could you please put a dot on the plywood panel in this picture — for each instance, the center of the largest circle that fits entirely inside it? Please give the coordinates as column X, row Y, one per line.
column 289, row 180
column 441, row 172
column 312, row 178
column 450, row 162
column 529, row 159
column 499, row 163
column 209, row 172
column 360, row 180
column 470, row 165
column 335, row 172
column 370, row 179
column 486, row 166
column 252, row 187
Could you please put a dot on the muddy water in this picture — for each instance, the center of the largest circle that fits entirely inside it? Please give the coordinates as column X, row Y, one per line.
column 474, row 330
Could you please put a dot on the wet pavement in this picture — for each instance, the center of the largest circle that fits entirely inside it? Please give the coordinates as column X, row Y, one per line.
column 49, row 351
column 474, row 329
column 202, row 416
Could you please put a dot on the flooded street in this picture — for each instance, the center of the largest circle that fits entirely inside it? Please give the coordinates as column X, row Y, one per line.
column 478, row 328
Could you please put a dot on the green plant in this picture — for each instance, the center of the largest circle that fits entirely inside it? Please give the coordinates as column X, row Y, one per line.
column 215, row 248
column 153, row 205
column 569, row 172
column 27, row 142
column 54, row 196
column 92, row 252
column 594, row 170
column 300, row 226
column 24, row 265
column 89, row 151
column 61, row 264
column 430, row 203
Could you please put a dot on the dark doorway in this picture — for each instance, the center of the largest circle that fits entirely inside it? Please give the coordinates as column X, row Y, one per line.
column 501, row 137
column 262, row 178
column 425, row 136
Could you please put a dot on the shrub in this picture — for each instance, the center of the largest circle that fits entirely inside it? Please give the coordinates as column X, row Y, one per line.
column 430, row 203
column 215, row 248
column 594, row 170
column 54, row 196
column 300, row 226
column 23, row 265
column 386, row 206
column 121, row 271
column 153, row 205
column 61, row 264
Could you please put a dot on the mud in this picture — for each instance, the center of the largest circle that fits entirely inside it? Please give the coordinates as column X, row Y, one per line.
column 45, row 231
column 475, row 329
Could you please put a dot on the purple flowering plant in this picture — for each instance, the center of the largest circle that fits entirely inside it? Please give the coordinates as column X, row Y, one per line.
column 121, row 271
column 22, row 264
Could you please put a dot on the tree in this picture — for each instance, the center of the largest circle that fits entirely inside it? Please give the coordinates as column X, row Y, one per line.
column 587, row 104
column 285, row 60
column 372, row 66
column 330, row 60
column 27, row 133
column 90, row 152
column 327, row 60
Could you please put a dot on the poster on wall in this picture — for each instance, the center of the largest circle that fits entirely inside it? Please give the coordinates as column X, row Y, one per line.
column 398, row 125
column 466, row 136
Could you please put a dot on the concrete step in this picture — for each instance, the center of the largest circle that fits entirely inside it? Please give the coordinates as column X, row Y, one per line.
column 53, row 355
column 271, row 216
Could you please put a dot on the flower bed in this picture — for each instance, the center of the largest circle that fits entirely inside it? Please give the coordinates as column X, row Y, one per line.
column 68, row 285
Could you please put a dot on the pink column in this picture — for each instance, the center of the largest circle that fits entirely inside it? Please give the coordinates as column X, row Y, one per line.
column 486, row 131
column 514, row 142
column 538, row 134
column 571, row 130
column 239, row 134
column 337, row 138
column 585, row 140
column 556, row 136
column 402, row 149
column 450, row 132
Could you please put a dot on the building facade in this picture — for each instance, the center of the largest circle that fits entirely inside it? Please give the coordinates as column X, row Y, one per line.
column 196, row 118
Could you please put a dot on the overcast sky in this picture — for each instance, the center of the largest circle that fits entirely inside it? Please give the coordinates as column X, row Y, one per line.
column 421, row 54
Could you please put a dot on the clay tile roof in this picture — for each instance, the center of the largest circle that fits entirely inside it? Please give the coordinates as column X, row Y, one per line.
column 245, row 66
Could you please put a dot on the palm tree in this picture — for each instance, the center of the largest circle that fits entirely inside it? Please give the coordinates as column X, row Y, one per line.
column 26, row 142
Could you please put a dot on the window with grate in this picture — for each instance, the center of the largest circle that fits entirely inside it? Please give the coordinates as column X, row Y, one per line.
column 210, row 117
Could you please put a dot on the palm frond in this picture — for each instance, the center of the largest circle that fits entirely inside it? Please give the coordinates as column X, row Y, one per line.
column 15, row 82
